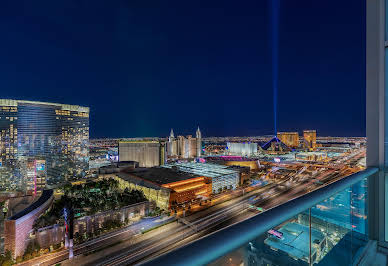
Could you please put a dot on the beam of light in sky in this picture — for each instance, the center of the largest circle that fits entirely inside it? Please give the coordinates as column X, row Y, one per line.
column 275, row 60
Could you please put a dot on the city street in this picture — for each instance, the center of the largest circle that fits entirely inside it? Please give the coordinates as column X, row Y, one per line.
column 130, row 245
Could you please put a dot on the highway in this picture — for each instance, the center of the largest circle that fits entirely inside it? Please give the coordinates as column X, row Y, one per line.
column 222, row 218
column 276, row 195
column 140, row 247
column 134, row 232
column 98, row 243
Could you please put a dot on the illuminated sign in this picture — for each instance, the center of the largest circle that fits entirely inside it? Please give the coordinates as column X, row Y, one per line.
column 201, row 160
column 276, row 233
column 40, row 165
column 276, row 160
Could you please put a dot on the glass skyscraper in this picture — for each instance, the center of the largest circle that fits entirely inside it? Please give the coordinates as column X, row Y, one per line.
column 42, row 144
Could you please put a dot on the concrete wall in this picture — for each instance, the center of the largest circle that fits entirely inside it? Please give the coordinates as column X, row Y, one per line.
column 161, row 197
column 16, row 232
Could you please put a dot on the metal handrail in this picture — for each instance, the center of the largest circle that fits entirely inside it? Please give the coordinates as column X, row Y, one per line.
column 219, row 243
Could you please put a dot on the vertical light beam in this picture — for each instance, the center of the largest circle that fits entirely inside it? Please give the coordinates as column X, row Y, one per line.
column 275, row 58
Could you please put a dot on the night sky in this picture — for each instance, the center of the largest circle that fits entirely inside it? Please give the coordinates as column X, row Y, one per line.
column 146, row 66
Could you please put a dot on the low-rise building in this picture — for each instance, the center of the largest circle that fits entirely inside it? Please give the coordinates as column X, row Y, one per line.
column 294, row 239
column 55, row 234
column 311, row 156
column 164, row 186
column 179, row 182
column 221, row 176
column 252, row 163
column 18, row 226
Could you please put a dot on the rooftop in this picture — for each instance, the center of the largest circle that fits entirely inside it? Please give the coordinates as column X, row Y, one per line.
column 279, row 145
column 202, row 169
column 68, row 107
column 138, row 141
column 46, row 195
column 295, row 240
column 156, row 176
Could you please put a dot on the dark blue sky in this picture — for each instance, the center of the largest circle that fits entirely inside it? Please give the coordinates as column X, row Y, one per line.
column 146, row 66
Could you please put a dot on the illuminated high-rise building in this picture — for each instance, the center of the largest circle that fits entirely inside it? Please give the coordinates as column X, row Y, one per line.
column 242, row 149
column 184, row 147
column 310, row 139
column 171, row 144
column 291, row 139
column 42, row 143
column 148, row 153
column 198, row 136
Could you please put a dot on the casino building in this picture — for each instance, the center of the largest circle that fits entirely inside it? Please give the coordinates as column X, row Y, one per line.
column 310, row 139
column 222, row 177
column 291, row 139
column 175, row 183
column 164, row 186
column 243, row 149
column 184, row 147
column 42, row 144
column 148, row 153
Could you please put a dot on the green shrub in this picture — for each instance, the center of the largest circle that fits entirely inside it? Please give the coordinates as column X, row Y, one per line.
column 90, row 198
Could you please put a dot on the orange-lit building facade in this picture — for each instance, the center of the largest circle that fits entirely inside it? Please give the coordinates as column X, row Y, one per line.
column 310, row 139
column 291, row 139
column 163, row 186
column 188, row 190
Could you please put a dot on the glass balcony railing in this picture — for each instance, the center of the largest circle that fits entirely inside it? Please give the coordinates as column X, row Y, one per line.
column 328, row 226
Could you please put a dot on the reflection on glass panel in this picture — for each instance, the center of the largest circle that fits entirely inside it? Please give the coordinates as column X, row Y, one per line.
column 386, row 206
column 386, row 108
column 332, row 232
column 386, row 20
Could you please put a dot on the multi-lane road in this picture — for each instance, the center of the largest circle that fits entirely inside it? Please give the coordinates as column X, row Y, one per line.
column 140, row 247
column 236, row 212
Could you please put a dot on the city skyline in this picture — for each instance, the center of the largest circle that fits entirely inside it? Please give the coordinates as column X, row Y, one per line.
column 207, row 65
column 194, row 133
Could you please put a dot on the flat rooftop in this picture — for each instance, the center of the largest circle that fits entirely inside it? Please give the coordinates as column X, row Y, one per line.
column 295, row 240
column 202, row 169
column 229, row 158
column 68, row 107
column 46, row 195
column 158, row 175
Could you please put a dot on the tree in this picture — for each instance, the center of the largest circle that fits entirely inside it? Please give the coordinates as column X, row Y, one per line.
column 6, row 259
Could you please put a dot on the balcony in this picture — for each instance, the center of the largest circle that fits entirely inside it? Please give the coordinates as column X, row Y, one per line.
column 328, row 226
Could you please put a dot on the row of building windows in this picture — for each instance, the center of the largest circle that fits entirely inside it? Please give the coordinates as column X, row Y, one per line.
column 9, row 109
column 67, row 113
